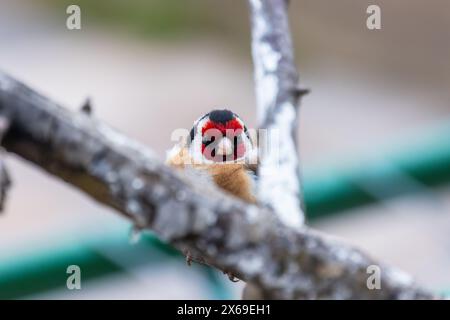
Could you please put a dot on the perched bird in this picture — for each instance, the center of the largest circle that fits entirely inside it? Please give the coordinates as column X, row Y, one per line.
column 220, row 145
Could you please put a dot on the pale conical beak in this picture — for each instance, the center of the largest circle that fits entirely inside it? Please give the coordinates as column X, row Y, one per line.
column 225, row 147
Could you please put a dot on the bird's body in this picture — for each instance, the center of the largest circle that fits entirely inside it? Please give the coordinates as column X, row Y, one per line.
column 220, row 145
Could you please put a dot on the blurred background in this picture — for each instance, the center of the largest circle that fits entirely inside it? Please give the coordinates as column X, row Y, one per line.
column 374, row 132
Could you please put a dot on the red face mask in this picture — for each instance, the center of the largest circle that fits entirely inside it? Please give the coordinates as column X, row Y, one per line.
column 212, row 135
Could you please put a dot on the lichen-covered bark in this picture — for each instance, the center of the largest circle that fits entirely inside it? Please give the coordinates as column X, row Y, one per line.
column 5, row 184
column 277, row 93
column 222, row 231
column 5, row 181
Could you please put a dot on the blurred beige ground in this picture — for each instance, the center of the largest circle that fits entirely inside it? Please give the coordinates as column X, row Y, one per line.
column 370, row 90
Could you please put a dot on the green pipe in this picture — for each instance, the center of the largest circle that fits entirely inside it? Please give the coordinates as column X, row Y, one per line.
column 46, row 271
column 416, row 169
column 32, row 273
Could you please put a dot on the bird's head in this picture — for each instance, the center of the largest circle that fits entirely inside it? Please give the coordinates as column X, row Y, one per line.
column 220, row 136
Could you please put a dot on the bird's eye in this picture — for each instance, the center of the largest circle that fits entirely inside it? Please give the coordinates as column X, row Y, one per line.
column 208, row 140
column 237, row 140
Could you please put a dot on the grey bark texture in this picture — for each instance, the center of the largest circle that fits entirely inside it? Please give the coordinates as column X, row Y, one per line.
column 5, row 181
column 277, row 93
column 217, row 229
column 5, row 184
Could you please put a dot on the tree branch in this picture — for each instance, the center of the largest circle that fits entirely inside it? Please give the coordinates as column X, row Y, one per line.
column 277, row 96
column 217, row 229
column 5, row 181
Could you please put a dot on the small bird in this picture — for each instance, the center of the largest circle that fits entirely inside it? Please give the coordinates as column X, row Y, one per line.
column 219, row 144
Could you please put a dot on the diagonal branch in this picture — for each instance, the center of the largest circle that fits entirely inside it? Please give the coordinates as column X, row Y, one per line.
column 5, row 181
column 217, row 229
column 277, row 96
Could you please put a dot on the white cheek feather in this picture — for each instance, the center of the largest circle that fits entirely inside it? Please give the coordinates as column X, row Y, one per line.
column 251, row 155
column 195, row 149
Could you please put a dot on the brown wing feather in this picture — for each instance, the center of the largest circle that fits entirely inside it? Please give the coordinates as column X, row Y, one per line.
column 232, row 178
